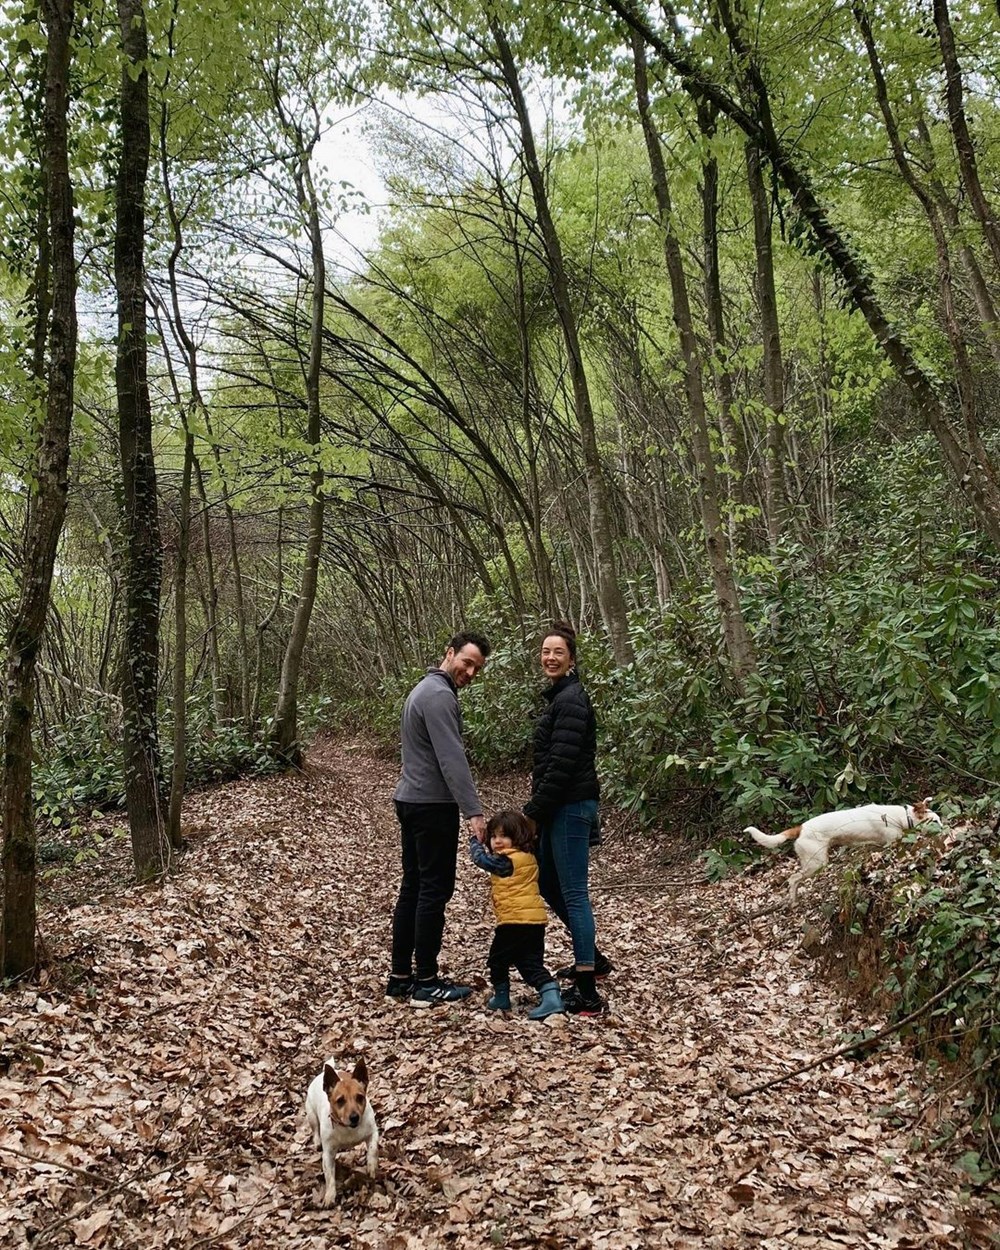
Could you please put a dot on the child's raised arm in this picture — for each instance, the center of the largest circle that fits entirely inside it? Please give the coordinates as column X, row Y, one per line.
column 499, row 865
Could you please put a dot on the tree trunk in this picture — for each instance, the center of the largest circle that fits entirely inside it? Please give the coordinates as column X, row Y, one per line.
column 284, row 731
column 954, row 98
column 610, row 597
column 143, row 557
column 47, row 507
column 827, row 501
column 733, row 441
column 774, row 379
column 737, row 638
column 178, row 770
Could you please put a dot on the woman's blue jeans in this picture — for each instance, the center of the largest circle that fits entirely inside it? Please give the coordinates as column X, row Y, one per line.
column 563, row 864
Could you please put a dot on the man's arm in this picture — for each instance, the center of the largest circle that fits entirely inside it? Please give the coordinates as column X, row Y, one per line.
column 442, row 722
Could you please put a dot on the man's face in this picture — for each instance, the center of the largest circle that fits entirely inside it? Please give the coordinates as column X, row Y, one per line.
column 463, row 666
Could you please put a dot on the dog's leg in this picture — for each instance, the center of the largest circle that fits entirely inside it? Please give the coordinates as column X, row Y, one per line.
column 373, row 1153
column 313, row 1123
column 330, row 1172
column 812, row 860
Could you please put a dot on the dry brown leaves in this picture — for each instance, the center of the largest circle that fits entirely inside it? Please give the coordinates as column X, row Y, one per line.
column 153, row 1088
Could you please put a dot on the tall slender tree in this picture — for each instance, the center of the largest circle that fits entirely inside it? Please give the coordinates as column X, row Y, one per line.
column 143, row 556
column 47, row 504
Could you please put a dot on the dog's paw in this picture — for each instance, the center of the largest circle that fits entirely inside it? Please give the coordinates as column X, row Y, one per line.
column 329, row 1198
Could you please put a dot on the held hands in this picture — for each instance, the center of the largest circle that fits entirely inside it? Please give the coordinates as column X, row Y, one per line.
column 478, row 826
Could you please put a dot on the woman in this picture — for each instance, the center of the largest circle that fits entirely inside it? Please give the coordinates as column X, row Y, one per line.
column 563, row 804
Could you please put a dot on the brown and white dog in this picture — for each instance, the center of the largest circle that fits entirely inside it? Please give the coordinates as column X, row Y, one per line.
column 341, row 1116
column 875, row 824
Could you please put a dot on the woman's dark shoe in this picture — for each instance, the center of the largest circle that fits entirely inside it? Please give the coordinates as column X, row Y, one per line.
column 603, row 967
column 575, row 1003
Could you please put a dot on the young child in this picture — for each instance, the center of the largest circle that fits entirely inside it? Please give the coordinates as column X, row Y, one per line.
column 519, row 938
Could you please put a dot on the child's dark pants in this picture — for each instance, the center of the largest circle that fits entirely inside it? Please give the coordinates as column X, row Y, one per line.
column 520, row 946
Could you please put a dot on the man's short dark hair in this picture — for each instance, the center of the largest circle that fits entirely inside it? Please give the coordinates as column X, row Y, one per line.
column 465, row 638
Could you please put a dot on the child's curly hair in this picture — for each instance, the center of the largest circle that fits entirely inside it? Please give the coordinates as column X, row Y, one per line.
column 516, row 826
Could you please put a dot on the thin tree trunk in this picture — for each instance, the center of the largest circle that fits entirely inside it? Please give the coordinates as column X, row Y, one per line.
column 284, row 731
column 178, row 770
column 739, row 645
column 610, row 597
column 47, row 507
column 210, row 597
column 827, row 478
column 985, row 213
column 733, row 441
column 774, row 379
column 143, row 558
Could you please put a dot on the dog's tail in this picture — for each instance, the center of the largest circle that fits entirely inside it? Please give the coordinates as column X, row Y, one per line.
column 772, row 839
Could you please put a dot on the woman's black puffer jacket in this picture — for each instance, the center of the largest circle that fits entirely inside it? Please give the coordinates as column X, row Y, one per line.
column 565, row 752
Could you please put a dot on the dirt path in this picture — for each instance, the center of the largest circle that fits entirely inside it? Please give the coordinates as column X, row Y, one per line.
column 160, row 1073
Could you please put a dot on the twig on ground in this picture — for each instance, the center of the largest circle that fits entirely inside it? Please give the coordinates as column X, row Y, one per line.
column 865, row 1043
column 646, row 885
column 56, row 1163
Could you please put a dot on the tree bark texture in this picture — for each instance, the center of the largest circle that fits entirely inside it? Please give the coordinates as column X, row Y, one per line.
column 143, row 555
column 47, row 507
column 610, row 597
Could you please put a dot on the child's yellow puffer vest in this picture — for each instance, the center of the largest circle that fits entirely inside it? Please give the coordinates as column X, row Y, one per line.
column 515, row 898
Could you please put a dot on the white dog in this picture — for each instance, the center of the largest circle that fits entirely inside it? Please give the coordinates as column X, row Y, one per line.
column 341, row 1116
column 874, row 825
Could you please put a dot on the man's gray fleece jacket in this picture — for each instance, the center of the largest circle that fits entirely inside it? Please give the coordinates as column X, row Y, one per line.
column 435, row 769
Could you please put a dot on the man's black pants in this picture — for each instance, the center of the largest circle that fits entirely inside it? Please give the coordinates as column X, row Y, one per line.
column 520, row 946
column 430, row 852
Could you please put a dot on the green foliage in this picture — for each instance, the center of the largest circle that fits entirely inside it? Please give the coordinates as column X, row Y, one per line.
column 726, row 857
column 217, row 752
column 79, row 771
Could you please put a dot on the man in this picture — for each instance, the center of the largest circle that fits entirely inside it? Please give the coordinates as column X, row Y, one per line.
column 434, row 791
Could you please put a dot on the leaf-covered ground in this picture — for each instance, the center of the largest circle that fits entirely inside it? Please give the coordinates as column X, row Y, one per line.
column 151, row 1088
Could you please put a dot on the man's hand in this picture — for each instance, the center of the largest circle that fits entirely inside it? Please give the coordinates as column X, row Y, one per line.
column 478, row 826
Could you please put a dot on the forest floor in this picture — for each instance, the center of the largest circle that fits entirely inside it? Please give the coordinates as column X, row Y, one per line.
column 151, row 1086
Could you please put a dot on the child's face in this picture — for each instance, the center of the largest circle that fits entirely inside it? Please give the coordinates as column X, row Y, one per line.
column 500, row 843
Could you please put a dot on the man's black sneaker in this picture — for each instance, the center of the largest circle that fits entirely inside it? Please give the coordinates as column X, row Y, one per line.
column 603, row 967
column 399, row 988
column 575, row 1003
column 437, row 992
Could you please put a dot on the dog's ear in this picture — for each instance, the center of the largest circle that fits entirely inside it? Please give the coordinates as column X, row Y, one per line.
column 330, row 1078
column 361, row 1073
column 927, row 802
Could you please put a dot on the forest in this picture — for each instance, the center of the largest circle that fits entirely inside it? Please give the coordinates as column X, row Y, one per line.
column 678, row 321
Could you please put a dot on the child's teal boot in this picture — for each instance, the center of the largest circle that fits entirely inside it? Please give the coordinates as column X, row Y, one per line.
column 549, row 1004
column 501, row 997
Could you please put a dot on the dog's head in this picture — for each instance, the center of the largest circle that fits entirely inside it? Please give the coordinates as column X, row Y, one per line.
column 922, row 813
column 347, row 1095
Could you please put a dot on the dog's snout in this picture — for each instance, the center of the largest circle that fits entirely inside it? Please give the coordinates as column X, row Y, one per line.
column 354, row 1119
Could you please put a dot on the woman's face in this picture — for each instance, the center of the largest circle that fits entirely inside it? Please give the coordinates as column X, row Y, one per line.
column 556, row 659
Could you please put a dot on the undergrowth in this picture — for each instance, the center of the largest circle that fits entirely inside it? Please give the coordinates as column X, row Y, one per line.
column 921, row 936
